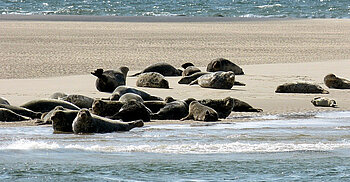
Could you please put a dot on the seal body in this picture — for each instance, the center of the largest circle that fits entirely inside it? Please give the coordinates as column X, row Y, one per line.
column 332, row 81
column 121, row 90
column 172, row 111
column 218, row 80
column 152, row 80
column 241, row 106
column 191, row 78
column 58, row 95
column 164, row 69
column 130, row 96
column 190, row 70
column 79, row 100
column 4, row 101
column 200, row 112
column 301, row 88
column 84, row 122
column 108, row 80
column 222, row 106
column 106, row 107
column 22, row 111
column 7, row 115
column 221, row 64
column 133, row 110
column 323, row 102
column 154, row 106
column 46, row 105
column 62, row 120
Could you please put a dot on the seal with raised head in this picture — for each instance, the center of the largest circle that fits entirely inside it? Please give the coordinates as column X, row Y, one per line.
column 164, row 69
column 221, row 64
column 200, row 112
column 81, row 101
column 62, row 120
column 4, row 101
column 22, row 111
column 332, row 81
column 106, row 107
column 241, row 106
column 323, row 102
column 222, row 106
column 218, row 80
column 7, row 115
column 85, row 122
column 189, row 69
column 121, row 90
column 152, row 80
column 108, row 80
column 133, row 110
column 46, row 105
column 307, row 88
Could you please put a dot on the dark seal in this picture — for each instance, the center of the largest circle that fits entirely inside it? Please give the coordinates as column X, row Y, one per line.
column 164, row 69
column 46, row 105
column 306, row 88
column 7, row 115
column 108, row 80
column 133, row 110
column 121, row 90
column 221, row 64
column 152, row 80
column 332, row 81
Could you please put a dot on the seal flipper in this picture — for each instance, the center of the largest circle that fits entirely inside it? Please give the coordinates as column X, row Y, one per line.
column 188, row 117
column 194, row 82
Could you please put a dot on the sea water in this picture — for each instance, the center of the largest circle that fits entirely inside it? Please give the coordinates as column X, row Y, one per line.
column 227, row 8
column 313, row 147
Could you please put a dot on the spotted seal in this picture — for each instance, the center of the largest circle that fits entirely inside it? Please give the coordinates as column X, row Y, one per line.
column 108, row 80
column 46, row 105
column 164, row 69
column 4, row 101
column 218, row 80
column 106, row 107
column 152, row 80
column 200, row 112
column 323, row 102
column 7, row 115
column 301, row 88
column 121, row 90
column 85, row 122
column 332, row 81
column 133, row 110
column 22, row 111
column 221, row 64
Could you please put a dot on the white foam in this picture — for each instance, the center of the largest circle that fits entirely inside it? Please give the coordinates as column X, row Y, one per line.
column 269, row 6
column 28, row 145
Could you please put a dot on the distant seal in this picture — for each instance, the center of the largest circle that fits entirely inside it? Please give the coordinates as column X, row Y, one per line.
column 79, row 100
column 241, row 106
column 301, row 88
column 222, row 106
column 221, row 64
column 108, row 80
column 22, row 111
column 333, row 81
column 46, row 105
column 154, row 106
column 323, row 102
column 62, row 120
column 106, row 107
column 85, row 122
column 191, row 78
column 7, row 115
column 58, row 95
column 189, row 69
column 121, row 90
column 4, row 101
column 133, row 110
column 218, row 80
column 164, row 69
column 130, row 96
column 172, row 111
column 152, row 80
column 200, row 112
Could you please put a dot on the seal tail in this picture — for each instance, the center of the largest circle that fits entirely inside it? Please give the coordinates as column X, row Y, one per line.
column 136, row 74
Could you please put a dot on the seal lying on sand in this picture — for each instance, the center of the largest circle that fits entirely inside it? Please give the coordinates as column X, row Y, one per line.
column 46, row 105
column 8, row 115
column 301, row 88
column 222, row 106
column 333, row 81
column 221, row 64
column 154, row 106
column 79, row 100
column 106, row 107
column 218, row 80
column 87, row 123
column 108, row 80
column 173, row 110
column 133, row 110
column 191, row 78
column 4, row 101
column 323, row 102
column 62, row 120
column 200, row 112
column 164, row 69
column 130, row 96
column 58, row 95
column 22, row 111
column 189, row 69
column 152, row 80
column 241, row 106
column 121, row 90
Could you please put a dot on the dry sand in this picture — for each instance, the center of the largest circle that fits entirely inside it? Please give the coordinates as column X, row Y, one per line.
column 50, row 56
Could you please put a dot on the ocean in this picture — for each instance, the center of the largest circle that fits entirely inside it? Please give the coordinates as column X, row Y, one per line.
column 301, row 147
column 204, row 8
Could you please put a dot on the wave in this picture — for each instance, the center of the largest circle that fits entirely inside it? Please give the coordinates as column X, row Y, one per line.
column 269, row 6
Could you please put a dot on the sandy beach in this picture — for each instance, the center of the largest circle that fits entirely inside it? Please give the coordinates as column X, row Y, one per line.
column 39, row 58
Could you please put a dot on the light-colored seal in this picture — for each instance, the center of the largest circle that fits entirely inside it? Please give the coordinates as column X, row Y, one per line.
column 121, row 90
column 218, row 80
column 152, row 80
column 85, row 122
column 307, row 88
column 133, row 110
column 81, row 101
column 221, row 64
column 164, row 69
column 4, row 101
column 46, row 105
column 323, row 102
column 241, row 106
column 333, row 81
column 200, row 112
column 22, row 111
column 222, row 106
column 108, row 80
column 62, row 120
column 7, row 115
column 58, row 95
column 130, row 96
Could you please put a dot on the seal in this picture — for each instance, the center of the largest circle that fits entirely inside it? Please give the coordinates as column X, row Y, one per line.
column 133, row 110
column 189, row 69
column 200, row 112
column 79, row 100
column 218, row 80
column 191, row 78
column 22, row 111
column 108, row 80
column 121, row 90
column 221, row 64
column 7, row 115
column 152, row 80
column 173, row 110
column 46, row 105
column 332, row 81
column 106, row 107
column 62, row 120
column 130, row 96
column 222, row 106
column 307, row 88
column 323, row 102
column 58, row 95
column 4, row 101
column 46, row 117
column 85, row 122
column 154, row 106
column 241, row 106
column 164, row 69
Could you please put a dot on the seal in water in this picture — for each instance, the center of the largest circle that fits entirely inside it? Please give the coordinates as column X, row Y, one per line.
column 200, row 112
column 323, row 102
column 218, row 80
column 8, row 115
column 46, row 105
column 108, row 80
column 152, row 80
column 306, row 88
column 221, row 64
column 333, row 81
column 133, row 110
column 84, row 122
column 121, row 90
column 164, row 69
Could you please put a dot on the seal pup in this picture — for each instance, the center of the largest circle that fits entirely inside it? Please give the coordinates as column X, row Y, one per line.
column 62, row 120
column 22, row 111
column 121, row 90
column 241, row 106
column 307, row 88
column 8, row 115
column 189, row 69
column 133, row 110
column 85, row 122
column 79, row 100
column 46, row 105
column 4, row 101
column 221, row 64
column 130, row 96
column 164, row 69
column 332, row 81
column 106, row 107
column 108, row 80
column 152, row 80
column 323, row 102
column 222, row 106
column 200, row 112
column 218, row 80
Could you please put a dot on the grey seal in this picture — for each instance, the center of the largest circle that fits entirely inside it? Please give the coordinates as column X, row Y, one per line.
column 58, row 95
column 22, row 111
column 81, row 101
column 241, row 106
column 133, row 110
column 130, row 96
column 323, row 102
column 46, row 105
column 154, row 106
column 121, row 90
column 218, row 80
column 164, row 69
column 108, row 80
column 85, row 122
column 106, row 107
column 62, row 120
column 4, row 101
column 332, row 81
column 222, row 106
column 7, row 115
column 191, row 78
column 152, row 80
column 301, row 88
column 173, row 110
column 221, row 64
column 189, row 69
column 200, row 112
